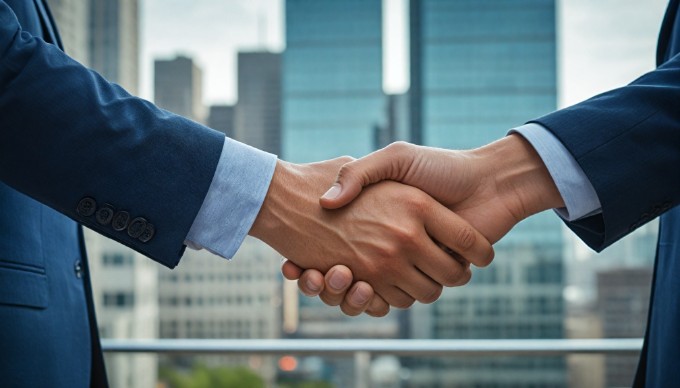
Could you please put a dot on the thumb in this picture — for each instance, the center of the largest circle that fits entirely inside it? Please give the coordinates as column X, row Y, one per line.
column 390, row 162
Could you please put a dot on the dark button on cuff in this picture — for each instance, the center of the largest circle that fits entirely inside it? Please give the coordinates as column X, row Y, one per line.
column 136, row 227
column 104, row 215
column 148, row 233
column 120, row 221
column 86, row 207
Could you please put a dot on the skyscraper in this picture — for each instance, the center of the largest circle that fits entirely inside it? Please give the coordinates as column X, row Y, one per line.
column 125, row 292
column 178, row 87
column 623, row 303
column 72, row 18
column 333, row 104
column 221, row 118
column 258, row 111
column 114, row 41
column 332, row 78
column 479, row 68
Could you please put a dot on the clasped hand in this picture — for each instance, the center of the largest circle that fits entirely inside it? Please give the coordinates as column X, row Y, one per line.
column 400, row 242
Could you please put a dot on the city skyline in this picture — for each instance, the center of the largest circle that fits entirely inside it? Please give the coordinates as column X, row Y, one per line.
column 592, row 37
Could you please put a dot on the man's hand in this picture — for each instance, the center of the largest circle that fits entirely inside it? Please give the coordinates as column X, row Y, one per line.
column 493, row 187
column 384, row 237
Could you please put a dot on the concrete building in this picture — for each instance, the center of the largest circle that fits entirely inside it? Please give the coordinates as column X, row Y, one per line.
column 464, row 93
column 125, row 291
column 178, row 87
column 72, row 18
column 114, row 41
column 104, row 36
column 258, row 111
column 332, row 79
column 221, row 118
column 210, row 297
column 623, row 301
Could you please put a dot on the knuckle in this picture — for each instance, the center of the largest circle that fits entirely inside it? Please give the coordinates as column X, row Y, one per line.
column 399, row 147
column 488, row 259
column 465, row 238
column 330, row 300
column 403, row 303
column 346, row 159
column 464, row 279
column 378, row 312
column 431, row 295
column 351, row 311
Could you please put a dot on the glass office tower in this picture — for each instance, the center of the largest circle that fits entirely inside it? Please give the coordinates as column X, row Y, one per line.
column 478, row 69
column 332, row 78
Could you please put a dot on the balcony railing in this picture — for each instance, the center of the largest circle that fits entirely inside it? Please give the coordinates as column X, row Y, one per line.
column 362, row 350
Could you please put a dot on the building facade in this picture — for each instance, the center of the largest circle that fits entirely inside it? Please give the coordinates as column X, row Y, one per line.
column 178, row 87
column 332, row 78
column 478, row 69
column 210, row 297
column 258, row 111
column 221, row 118
column 72, row 19
column 114, row 41
column 125, row 292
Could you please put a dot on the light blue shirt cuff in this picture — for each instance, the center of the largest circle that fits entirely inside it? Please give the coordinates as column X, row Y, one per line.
column 577, row 192
column 233, row 200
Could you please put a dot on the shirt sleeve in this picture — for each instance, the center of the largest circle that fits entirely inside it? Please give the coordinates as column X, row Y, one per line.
column 579, row 196
column 234, row 198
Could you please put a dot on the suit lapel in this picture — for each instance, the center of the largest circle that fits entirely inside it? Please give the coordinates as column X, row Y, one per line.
column 666, row 31
column 51, row 33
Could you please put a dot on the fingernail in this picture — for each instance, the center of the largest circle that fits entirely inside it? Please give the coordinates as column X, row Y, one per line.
column 360, row 296
column 312, row 286
column 333, row 192
column 336, row 281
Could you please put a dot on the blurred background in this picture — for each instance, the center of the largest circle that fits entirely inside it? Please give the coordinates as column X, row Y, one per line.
column 315, row 79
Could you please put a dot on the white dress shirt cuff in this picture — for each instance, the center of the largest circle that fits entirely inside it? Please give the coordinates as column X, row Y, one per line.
column 233, row 200
column 579, row 196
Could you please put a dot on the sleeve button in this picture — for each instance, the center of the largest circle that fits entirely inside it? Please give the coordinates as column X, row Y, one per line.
column 148, row 233
column 104, row 215
column 120, row 221
column 86, row 207
column 136, row 227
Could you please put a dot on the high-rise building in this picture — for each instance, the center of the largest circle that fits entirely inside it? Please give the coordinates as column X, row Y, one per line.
column 104, row 35
column 178, row 87
column 114, row 41
column 258, row 111
column 125, row 292
column 332, row 78
column 397, row 125
column 623, row 302
column 209, row 297
column 221, row 118
column 333, row 104
column 72, row 19
column 478, row 69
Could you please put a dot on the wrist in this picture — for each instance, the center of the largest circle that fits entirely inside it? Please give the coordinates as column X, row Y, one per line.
column 522, row 180
column 270, row 216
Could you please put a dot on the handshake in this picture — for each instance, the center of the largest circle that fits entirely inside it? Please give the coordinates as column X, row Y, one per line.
column 398, row 225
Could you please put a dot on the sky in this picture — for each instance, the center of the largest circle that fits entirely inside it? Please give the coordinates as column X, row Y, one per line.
column 602, row 44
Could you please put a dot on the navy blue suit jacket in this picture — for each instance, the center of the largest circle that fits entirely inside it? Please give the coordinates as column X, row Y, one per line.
column 75, row 148
column 628, row 143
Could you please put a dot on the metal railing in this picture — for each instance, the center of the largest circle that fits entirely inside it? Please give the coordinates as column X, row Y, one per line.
column 362, row 350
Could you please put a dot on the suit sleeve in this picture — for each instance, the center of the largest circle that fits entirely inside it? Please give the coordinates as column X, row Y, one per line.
column 627, row 141
column 88, row 149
